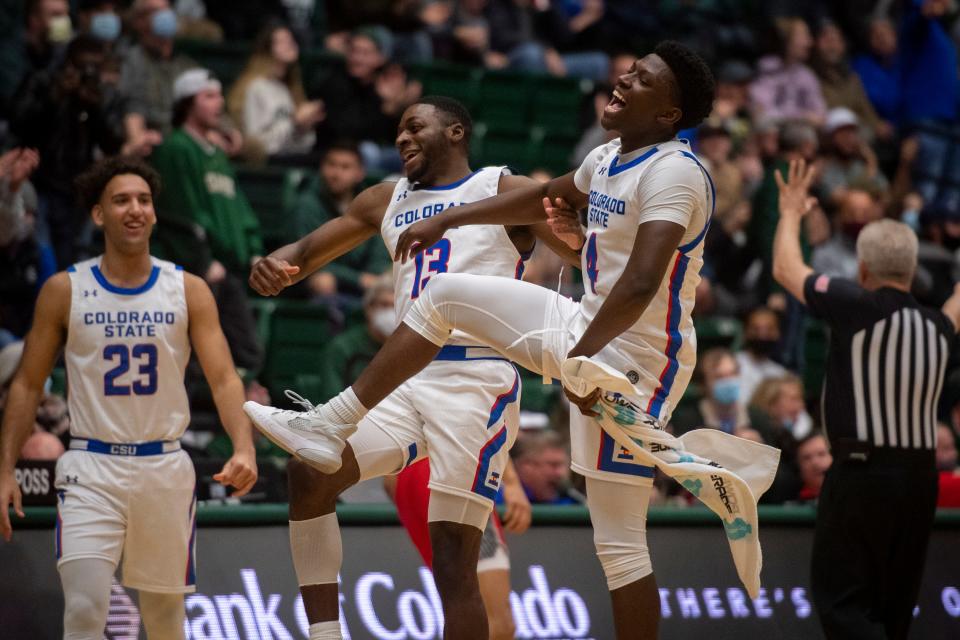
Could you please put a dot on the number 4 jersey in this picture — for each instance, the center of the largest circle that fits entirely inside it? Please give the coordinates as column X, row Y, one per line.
column 478, row 249
column 664, row 182
column 126, row 353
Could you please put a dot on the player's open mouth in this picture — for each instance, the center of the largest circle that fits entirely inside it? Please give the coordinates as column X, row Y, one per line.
column 409, row 155
column 133, row 225
column 616, row 102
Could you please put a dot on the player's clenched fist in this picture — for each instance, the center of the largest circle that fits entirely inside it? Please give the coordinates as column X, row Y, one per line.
column 269, row 276
column 240, row 472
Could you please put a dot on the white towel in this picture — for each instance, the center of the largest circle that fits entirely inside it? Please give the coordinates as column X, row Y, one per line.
column 726, row 473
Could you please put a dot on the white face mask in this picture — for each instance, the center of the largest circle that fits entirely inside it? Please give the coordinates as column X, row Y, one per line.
column 384, row 321
column 59, row 29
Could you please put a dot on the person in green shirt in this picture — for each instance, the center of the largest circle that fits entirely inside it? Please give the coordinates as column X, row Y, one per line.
column 205, row 222
column 325, row 196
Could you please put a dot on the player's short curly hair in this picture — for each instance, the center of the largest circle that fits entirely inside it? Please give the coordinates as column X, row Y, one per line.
column 694, row 82
column 91, row 183
column 454, row 110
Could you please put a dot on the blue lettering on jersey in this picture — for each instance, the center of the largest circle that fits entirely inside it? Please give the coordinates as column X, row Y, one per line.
column 601, row 206
column 129, row 324
column 422, row 213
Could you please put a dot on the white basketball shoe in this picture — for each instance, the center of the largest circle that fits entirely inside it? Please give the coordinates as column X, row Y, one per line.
column 309, row 435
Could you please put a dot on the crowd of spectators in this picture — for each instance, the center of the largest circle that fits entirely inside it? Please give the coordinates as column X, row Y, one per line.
column 868, row 92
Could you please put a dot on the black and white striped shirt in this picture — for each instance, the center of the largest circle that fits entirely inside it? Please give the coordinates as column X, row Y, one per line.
column 886, row 364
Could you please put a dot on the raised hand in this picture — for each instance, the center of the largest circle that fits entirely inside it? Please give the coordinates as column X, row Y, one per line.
column 795, row 198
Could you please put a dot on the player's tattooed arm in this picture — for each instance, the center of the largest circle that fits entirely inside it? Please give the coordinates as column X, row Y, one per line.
column 516, row 206
column 208, row 341
column 294, row 262
column 40, row 352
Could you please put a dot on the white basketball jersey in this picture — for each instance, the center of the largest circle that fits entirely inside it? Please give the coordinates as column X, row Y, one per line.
column 126, row 353
column 663, row 182
column 477, row 249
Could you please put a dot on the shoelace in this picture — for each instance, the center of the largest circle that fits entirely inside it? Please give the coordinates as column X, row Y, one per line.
column 542, row 332
column 300, row 400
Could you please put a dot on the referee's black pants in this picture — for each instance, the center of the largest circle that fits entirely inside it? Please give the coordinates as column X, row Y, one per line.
column 873, row 525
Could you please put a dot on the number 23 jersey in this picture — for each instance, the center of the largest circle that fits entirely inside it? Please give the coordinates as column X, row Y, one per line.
column 126, row 353
column 477, row 249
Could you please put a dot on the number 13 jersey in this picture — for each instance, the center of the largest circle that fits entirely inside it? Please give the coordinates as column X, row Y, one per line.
column 477, row 249
column 126, row 353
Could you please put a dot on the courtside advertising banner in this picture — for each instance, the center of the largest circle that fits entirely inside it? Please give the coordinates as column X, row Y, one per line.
column 247, row 588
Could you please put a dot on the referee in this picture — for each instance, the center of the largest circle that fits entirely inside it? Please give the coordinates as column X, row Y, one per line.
column 885, row 370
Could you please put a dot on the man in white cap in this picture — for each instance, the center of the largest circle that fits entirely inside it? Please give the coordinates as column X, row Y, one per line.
column 207, row 225
column 850, row 163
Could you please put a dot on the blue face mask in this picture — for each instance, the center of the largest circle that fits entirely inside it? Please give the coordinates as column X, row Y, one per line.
column 105, row 26
column 911, row 218
column 164, row 23
column 726, row 391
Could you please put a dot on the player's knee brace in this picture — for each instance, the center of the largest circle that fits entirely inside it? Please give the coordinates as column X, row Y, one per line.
column 619, row 515
column 86, row 595
column 317, row 549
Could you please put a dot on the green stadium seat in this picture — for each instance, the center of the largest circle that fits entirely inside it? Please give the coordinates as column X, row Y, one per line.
column 551, row 150
column 557, row 104
column 225, row 59
column 493, row 146
column 266, row 190
column 815, row 344
column 504, row 101
column 310, row 386
column 298, row 335
column 717, row 332
column 455, row 81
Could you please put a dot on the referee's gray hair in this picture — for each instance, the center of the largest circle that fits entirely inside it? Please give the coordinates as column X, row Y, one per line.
column 888, row 249
column 383, row 283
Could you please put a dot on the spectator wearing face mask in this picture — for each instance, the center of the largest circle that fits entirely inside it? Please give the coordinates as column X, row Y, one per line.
column 43, row 35
column 350, row 352
column 70, row 119
column 99, row 19
column 147, row 75
column 722, row 406
column 761, row 339
column 838, row 255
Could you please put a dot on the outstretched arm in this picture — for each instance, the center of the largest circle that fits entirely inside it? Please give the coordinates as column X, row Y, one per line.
column 544, row 231
column 293, row 262
column 520, row 206
column 789, row 269
column 40, row 352
column 208, row 340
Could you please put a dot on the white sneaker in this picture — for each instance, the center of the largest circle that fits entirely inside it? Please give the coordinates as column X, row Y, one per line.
column 307, row 435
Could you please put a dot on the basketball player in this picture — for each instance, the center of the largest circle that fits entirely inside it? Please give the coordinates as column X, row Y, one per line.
column 462, row 411
column 410, row 492
column 125, row 488
column 649, row 203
